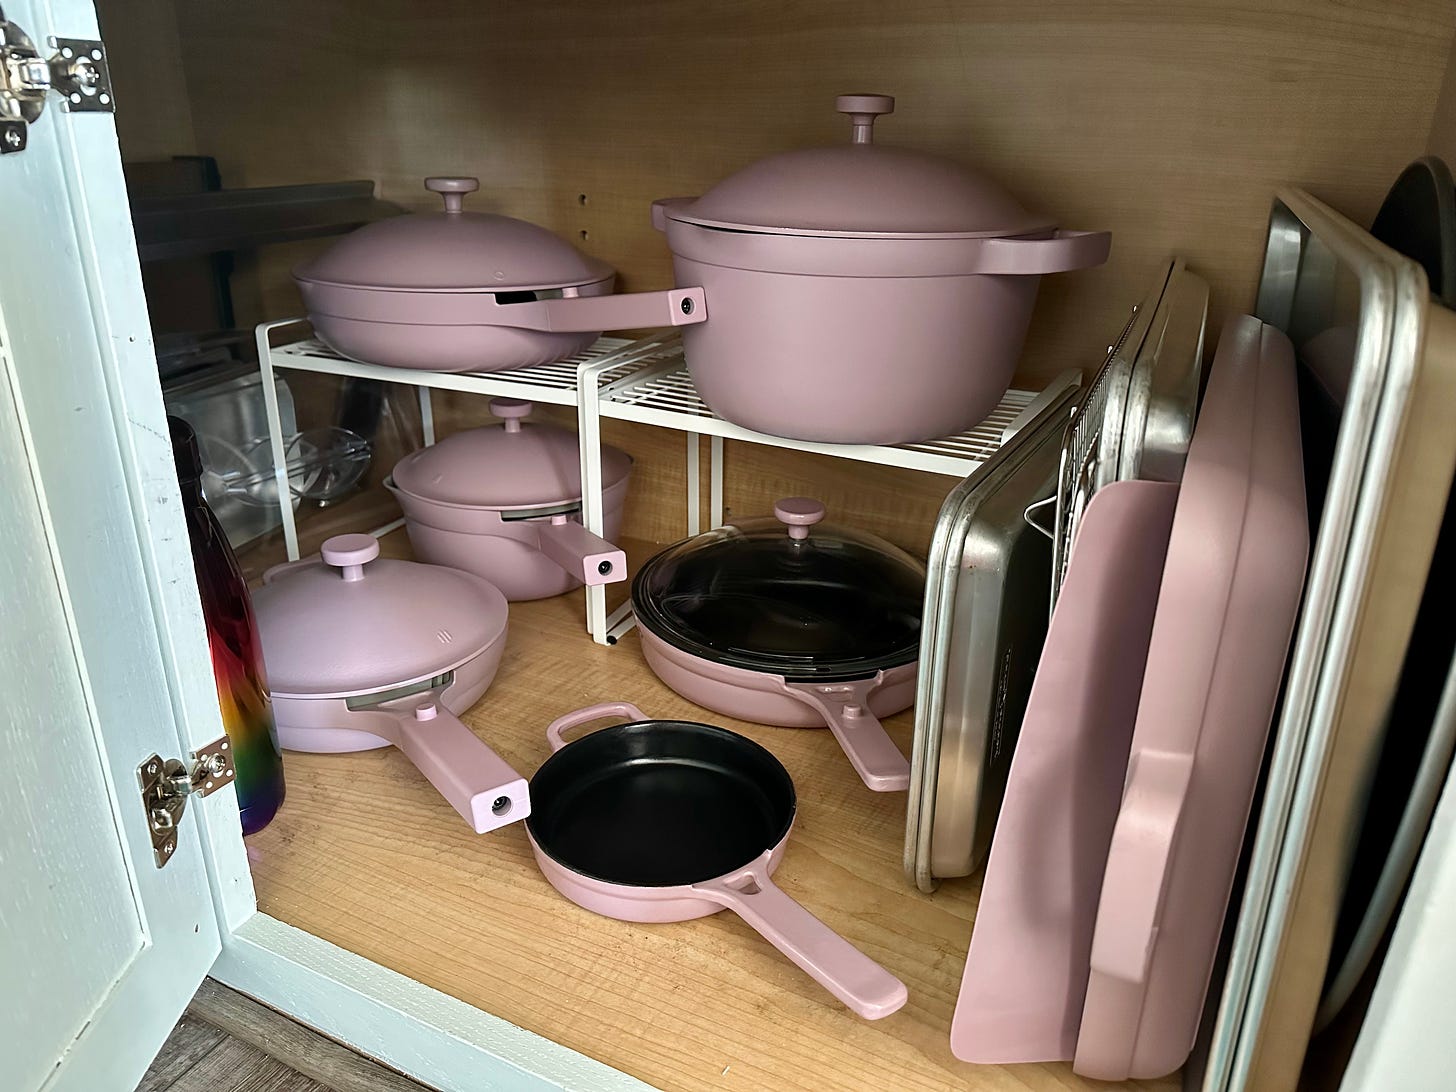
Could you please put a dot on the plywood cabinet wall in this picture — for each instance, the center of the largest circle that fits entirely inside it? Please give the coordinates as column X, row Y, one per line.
column 1168, row 123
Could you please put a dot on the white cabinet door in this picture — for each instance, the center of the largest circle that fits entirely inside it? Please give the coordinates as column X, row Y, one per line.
column 100, row 667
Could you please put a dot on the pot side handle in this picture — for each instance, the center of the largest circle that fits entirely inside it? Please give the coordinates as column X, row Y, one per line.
column 663, row 205
column 628, row 311
column 1059, row 253
column 476, row 781
column 836, row 964
column 555, row 731
column 845, row 709
column 588, row 557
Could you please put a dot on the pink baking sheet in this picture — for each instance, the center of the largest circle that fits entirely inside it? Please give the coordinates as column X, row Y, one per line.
column 1026, row 971
column 1226, row 608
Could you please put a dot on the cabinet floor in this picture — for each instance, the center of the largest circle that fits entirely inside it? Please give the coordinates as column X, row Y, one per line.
column 365, row 854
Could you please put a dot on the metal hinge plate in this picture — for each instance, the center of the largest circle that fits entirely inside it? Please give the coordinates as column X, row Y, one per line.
column 76, row 71
column 81, row 76
column 167, row 783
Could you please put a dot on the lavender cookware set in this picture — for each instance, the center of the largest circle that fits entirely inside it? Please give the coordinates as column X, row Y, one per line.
column 858, row 293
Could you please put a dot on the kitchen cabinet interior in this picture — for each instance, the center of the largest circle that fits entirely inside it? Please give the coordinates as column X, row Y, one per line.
column 1171, row 126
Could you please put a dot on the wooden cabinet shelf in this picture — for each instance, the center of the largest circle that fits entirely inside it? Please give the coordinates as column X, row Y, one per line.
column 365, row 854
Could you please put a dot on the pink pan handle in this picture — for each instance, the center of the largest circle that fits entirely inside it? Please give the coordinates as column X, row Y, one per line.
column 624, row 709
column 829, row 959
column 477, row 782
column 628, row 311
column 1136, row 876
column 587, row 557
column 845, row 709
column 1061, row 253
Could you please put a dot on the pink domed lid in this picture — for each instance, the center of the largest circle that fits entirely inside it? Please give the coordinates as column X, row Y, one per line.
column 354, row 622
column 516, row 464
column 453, row 251
column 861, row 189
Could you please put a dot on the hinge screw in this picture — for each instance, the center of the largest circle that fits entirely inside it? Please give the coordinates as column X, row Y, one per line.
column 12, row 138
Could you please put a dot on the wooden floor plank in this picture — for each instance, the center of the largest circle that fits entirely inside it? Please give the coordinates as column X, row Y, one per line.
column 236, row 1066
column 189, row 1043
column 311, row 1054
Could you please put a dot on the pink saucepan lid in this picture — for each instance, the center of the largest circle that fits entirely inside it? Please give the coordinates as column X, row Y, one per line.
column 504, row 502
column 470, row 291
column 793, row 622
column 365, row 652
column 663, row 820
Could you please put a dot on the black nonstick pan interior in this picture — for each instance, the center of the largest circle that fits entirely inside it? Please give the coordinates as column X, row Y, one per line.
column 660, row 803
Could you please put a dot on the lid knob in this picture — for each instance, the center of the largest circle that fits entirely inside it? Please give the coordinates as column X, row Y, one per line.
column 350, row 553
column 453, row 190
column 511, row 411
column 798, row 514
column 862, row 110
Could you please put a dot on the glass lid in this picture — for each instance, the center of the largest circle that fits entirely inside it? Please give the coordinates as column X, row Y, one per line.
column 453, row 251
column 786, row 595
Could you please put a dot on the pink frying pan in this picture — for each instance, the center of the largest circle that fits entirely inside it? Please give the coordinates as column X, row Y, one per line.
column 365, row 652
column 664, row 820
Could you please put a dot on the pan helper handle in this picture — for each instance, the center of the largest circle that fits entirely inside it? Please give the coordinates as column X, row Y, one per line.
column 836, row 964
column 846, row 710
column 556, row 730
column 477, row 782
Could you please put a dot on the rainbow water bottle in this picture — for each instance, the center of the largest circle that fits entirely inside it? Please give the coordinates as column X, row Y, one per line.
column 232, row 637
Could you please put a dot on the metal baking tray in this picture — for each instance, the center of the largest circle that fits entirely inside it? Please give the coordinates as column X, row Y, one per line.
column 1136, row 419
column 984, row 624
column 1378, row 378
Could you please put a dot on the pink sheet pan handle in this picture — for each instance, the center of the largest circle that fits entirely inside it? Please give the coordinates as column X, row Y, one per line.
column 845, row 709
column 477, row 782
column 1136, row 876
column 555, row 731
column 836, row 964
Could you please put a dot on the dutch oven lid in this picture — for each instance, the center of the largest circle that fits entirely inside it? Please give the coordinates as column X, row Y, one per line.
column 786, row 595
column 860, row 189
column 453, row 251
column 515, row 464
column 355, row 623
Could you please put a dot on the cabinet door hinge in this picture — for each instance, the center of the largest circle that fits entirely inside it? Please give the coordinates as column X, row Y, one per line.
column 166, row 783
column 76, row 71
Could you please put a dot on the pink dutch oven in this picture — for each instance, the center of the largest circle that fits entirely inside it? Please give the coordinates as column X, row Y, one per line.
column 862, row 293
column 504, row 502
column 662, row 821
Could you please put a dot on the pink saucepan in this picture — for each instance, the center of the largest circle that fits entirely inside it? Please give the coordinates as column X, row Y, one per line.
column 366, row 652
column 504, row 502
column 458, row 291
column 663, row 820
column 791, row 622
